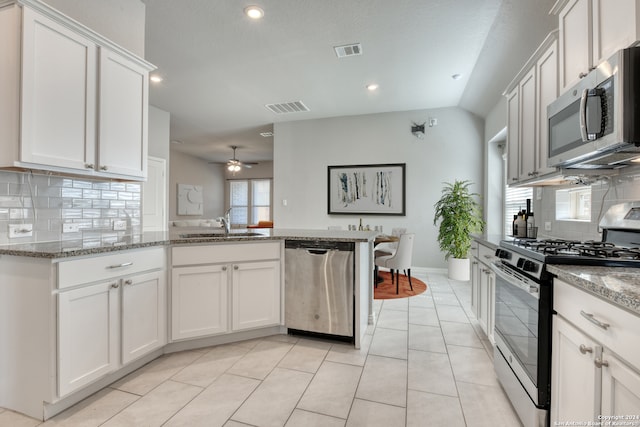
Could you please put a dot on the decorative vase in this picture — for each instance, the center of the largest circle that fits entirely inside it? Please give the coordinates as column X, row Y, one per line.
column 459, row 269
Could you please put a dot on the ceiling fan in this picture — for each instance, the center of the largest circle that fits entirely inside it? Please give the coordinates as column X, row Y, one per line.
column 234, row 165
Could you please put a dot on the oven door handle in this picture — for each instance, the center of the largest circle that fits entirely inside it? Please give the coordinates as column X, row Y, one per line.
column 533, row 290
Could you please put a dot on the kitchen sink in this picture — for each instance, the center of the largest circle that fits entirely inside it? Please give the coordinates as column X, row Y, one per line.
column 220, row 235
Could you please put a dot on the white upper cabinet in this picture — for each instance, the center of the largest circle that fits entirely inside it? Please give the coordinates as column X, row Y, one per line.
column 527, row 126
column 575, row 42
column 528, row 96
column 72, row 102
column 547, row 92
column 124, row 110
column 513, row 136
column 591, row 31
column 58, row 94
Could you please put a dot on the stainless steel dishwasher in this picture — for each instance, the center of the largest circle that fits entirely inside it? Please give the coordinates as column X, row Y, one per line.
column 319, row 287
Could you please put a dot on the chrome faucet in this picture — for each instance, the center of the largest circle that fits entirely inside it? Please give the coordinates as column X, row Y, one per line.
column 226, row 221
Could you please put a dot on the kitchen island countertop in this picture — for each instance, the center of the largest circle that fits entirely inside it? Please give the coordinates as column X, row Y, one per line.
column 618, row 285
column 79, row 247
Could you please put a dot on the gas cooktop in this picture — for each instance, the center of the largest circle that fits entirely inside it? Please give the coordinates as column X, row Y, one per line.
column 559, row 251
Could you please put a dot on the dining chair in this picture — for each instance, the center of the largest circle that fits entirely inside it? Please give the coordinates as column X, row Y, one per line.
column 388, row 248
column 400, row 260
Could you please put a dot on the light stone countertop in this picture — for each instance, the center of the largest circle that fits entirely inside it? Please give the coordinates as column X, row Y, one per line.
column 618, row 285
column 71, row 248
column 490, row 240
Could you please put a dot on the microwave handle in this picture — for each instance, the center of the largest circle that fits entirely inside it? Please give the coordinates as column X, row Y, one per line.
column 583, row 115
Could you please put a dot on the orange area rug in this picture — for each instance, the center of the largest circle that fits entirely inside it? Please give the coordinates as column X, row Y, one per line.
column 386, row 290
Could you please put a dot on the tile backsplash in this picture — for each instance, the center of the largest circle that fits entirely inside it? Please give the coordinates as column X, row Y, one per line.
column 604, row 193
column 49, row 201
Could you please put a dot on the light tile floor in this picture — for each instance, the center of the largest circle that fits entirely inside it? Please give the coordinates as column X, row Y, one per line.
column 423, row 364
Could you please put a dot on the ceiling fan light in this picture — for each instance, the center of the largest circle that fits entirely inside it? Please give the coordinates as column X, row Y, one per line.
column 254, row 12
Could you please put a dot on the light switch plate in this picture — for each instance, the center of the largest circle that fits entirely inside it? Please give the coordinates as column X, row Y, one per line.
column 547, row 226
column 20, row 230
column 70, row 228
column 119, row 225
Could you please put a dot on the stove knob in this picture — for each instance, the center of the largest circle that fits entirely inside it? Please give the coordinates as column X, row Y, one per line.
column 502, row 254
column 530, row 266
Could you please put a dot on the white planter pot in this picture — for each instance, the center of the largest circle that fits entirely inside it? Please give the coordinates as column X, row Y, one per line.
column 459, row 269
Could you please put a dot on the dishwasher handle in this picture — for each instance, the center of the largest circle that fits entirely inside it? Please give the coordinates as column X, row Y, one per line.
column 317, row 251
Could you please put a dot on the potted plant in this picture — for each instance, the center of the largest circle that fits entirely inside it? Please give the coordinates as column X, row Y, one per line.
column 459, row 215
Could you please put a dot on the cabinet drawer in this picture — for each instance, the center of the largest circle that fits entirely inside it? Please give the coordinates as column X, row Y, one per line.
column 473, row 252
column 224, row 252
column 103, row 267
column 621, row 336
column 485, row 253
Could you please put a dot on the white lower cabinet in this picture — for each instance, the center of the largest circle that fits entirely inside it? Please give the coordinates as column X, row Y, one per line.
column 143, row 314
column 219, row 289
column 87, row 327
column 483, row 290
column 198, row 301
column 106, row 325
column 256, row 295
column 573, row 373
column 595, row 365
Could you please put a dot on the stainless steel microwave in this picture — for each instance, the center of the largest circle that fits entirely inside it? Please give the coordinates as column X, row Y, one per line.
column 596, row 124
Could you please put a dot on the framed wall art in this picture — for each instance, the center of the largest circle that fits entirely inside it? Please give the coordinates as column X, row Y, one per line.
column 366, row 189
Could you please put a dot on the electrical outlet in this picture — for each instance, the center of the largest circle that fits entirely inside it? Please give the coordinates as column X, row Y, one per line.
column 69, row 227
column 20, row 230
column 547, row 226
column 119, row 225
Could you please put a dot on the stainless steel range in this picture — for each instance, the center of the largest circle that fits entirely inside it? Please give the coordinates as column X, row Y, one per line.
column 524, row 303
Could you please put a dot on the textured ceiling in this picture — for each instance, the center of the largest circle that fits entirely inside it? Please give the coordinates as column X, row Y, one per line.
column 220, row 68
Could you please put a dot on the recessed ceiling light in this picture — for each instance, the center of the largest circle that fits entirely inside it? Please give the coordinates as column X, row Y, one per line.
column 254, row 12
column 456, row 76
column 155, row 78
column 371, row 87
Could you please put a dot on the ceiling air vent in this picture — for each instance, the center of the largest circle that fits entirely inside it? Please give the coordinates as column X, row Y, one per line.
column 348, row 50
column 287, row 107
column 266, row 134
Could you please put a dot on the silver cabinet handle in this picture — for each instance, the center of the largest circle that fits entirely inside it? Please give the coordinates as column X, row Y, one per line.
column 593, row 320
column 114, row 286
column 88, row 165
column 103, row 168
column 600, row 363
column 584, row 349
column 128, row 282
column 224, row 268
column 235, row 267
column 124, row 264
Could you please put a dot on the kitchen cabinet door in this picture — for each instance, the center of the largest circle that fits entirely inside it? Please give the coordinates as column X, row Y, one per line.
column 620, row 388
column 475, row 286
column 199, row 301
column 614, row 27
column 513, row 136
column 575, row 381
column 87, row 327
column 58, row 107
column 123, row 116
column 483, row 293
column 547, row 92
column 575, row 40
column 527, row 128
column 256, row 294
column 143, row 314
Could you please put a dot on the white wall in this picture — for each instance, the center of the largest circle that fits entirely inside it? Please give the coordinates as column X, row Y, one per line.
column 186, row 169
column 121, row 21
column 303, row 149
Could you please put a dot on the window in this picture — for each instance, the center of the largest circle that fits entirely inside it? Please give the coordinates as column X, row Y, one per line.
column 515, row 200
column 573, row 204
column 250, row 201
